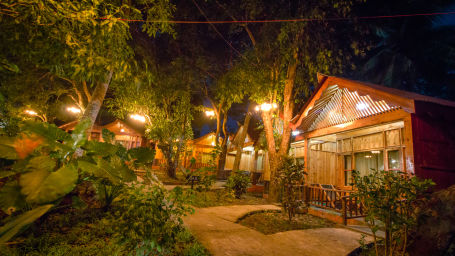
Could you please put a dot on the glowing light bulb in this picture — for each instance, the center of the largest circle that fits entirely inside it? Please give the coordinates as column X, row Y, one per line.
column 73, row 110
column 30, row 112
column 266, row 106
column 137, row 117
column 210, row 113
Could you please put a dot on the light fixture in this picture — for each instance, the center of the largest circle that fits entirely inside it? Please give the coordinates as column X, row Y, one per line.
column 73, row 110
column 368, row 156
column 213, row 143
column 137, row 117
column 30, row 112
column 266, row 107
column 257, row 108
column 361, row 106
column 376, row 152
column 210, row 113
column 295, row 132
column 122, row 130
column 274, row 105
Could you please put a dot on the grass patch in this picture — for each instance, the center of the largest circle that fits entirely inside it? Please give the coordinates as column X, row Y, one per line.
column 272, row 222
column 220, row 197
column 87, row 232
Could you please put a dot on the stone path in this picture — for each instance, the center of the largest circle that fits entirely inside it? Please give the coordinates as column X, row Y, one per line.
column 216, row 229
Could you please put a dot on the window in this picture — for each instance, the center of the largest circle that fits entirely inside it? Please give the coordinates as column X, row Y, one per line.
column 366, row 161
column 347, row 170
column 394, row 160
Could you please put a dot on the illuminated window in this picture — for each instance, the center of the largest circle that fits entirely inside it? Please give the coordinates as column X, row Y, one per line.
column 394, row 160
column 367, row 161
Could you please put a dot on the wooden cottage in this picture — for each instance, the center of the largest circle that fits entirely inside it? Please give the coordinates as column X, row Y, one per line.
column 124, row 134
column 253, row 160
column 350, row 125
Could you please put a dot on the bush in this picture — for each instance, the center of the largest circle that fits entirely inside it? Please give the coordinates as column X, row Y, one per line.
column 290, row 177
column 46, row 165
column 149, row 219
column 390, row 200
column 238, row 183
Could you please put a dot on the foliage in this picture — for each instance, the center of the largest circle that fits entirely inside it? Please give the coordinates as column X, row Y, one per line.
column 390, row 198
column 273, row 222
column 148, row 219
column 290, row 177
column 205, row 175
column 45, row 168
column 238, row 183
column 396, row 60
column 220, row 197
column 84, row 232
column 163, row 96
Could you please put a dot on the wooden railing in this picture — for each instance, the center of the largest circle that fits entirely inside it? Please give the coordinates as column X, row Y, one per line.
column 332, row 199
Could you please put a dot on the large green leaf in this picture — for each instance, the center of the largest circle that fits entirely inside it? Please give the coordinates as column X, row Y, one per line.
column 79, row 134
column 41, row 162
column 48, row 131
column 99, row 171
column 115, row 170
column 7, row 150
column 11, row 198
column 101, row 148
column 15, row 226
column 142, row 155
column 42, row 186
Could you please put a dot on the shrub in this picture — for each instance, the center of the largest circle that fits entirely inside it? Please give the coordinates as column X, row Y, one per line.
column 238, row 183
column 390, row 199
column 149, row 219
column 289, row 178
column 46, row 165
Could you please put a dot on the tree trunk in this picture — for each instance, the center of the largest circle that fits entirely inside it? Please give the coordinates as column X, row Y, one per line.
column 222, row 157
column 94, row 106
column 242, row 136
column 276, row 157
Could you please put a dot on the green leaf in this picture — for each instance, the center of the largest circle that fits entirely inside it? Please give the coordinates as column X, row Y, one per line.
column 101, row 148
column 15, row 226
column 48, row 131
column 41, row 162
column 142, row 155
column 7, row 150
column 42, row 186
column 108, row 136
column 79, row 134
column 11, row 198
column 4, row 174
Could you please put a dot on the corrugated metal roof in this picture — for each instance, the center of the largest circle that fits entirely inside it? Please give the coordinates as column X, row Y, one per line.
column 339, row 105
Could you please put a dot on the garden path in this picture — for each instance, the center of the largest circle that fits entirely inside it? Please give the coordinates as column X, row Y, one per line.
column 216, row 229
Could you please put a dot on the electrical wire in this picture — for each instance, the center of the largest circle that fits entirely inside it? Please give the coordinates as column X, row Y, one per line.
column 283, row 20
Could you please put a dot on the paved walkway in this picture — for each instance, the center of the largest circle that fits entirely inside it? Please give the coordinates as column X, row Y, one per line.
column 216, row 229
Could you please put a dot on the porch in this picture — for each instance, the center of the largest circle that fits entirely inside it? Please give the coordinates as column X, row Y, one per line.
column 337, row 205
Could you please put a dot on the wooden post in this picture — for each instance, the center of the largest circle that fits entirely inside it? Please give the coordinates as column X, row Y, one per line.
column 344, row 213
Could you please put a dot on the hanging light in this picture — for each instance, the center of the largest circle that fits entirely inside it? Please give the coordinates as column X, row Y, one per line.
column 257, row 108
column 266, row 107
column 31, row 112
column 210, row 113
column 137, row 117
column 73, row 110
column 295, row 132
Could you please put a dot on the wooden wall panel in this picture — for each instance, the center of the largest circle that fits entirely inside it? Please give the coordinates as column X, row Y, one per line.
column 346, row 145
column 393, row 138
column 368, row 142
column 322, row 167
